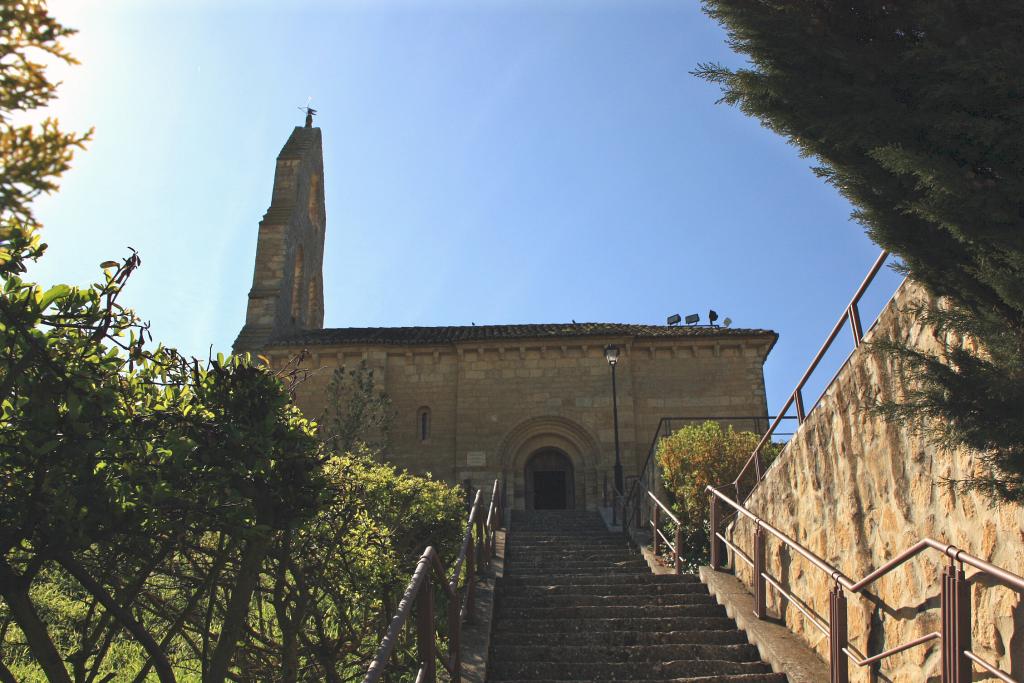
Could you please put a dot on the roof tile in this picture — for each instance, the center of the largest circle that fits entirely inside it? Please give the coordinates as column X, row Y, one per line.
column 473, row 333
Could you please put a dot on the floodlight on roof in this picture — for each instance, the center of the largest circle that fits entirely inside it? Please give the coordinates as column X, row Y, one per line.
column 673, row 319
column 712, row 317
column 693, row 319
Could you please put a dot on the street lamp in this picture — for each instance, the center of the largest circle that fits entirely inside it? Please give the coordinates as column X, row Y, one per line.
column 611, row 354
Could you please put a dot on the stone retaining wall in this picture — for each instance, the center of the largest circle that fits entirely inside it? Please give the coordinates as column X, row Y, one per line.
column 857, row 491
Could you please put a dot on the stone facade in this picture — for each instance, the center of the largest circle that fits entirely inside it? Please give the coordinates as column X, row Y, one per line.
column 287, row 288
column 480, row 402
column 857, row 490
column 493, row 405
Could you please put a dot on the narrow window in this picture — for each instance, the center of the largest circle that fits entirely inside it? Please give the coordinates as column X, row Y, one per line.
column 423, row 423
column 297, row 286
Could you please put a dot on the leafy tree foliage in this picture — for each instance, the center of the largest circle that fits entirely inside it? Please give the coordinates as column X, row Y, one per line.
column 162, row 516
column 693, row 458
column 913, row 110
column 358, row 415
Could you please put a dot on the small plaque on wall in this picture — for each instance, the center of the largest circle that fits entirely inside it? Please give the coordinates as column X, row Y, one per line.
column 476, row 459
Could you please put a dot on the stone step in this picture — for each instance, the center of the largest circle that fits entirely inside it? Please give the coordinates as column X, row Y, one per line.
column 520, row 602
column 553, row 527
column 579, row 551
column 612, row 612
column 726, row 636
column 630, row 653
column 724, row 678
column 636, row 624
column 559, row 550
column 582, row 560
column 576, row 603
column 602, row 589
column 582, row 572
column 548, row 539
column 584, row 538
column 635, row 578
column 556, row 514
column 617, row 671
column 563, row 566
column 559, row 524
column 575, row 554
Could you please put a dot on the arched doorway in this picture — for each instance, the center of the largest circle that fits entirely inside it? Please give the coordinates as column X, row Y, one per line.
column 550, row 481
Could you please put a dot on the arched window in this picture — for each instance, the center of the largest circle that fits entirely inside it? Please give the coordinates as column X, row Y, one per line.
column 297, row 286
column 314, row 303
column 423, row 424
column 314, row 201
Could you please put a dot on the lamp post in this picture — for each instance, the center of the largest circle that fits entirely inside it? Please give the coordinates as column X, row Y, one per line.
column 611, row 354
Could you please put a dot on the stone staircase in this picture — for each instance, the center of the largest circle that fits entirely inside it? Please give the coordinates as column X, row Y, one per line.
column 577, row 604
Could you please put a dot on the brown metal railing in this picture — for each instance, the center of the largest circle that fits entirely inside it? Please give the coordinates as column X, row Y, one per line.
column 647, row 480
column 657, row 536
column 955, row 596
column 474, row 555
column 659, row 511
column 850, row 315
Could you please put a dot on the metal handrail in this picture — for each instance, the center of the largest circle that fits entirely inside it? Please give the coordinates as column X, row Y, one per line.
column 852, row 315
column 474, row 554
column 663, row 507
column 665, row 423
column 675, row 546
column 955, row 594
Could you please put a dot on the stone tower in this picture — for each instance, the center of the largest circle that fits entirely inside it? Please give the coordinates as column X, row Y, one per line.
column 287, row 294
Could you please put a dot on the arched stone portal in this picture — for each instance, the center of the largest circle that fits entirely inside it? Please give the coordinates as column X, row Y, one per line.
column 573, row 443
column 550, row 481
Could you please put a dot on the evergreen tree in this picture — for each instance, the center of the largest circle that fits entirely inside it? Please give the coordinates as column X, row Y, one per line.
column 915, row 111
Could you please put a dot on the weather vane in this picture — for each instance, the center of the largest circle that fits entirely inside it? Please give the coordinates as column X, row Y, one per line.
column 310, row 112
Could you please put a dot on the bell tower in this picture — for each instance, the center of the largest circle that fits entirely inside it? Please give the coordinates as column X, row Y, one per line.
column 287, row 294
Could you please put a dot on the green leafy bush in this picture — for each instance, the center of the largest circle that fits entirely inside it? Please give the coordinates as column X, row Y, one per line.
column 693, row 458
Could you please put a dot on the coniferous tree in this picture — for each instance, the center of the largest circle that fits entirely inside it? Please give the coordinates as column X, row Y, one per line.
column 914, row 110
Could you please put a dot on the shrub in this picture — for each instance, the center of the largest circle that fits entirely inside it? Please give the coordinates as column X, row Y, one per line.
column 693, row 458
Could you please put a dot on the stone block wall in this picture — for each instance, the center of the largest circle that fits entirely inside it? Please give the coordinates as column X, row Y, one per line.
column 492, row 405
column 857, row 491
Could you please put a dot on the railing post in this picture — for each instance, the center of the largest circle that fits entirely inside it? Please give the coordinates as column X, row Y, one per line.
column 620, row 505
column 470, row 581
column 854, row 314
column 839, row 664
column 481, row 543
column 486, row 540
column 716, row 520
column 760, row 586
column 946, row 600
column 654, row 529
column 956, row 625
column 499, row 523
column 492, row 532
column 455, row 635
column 798, row 399
column 679, row 548
column 425, row 646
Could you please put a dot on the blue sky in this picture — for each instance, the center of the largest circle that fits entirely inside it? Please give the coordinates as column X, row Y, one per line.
column 486, row 161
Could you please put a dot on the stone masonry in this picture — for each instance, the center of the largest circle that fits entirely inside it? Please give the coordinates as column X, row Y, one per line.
column 478, row 402
column 857, row 490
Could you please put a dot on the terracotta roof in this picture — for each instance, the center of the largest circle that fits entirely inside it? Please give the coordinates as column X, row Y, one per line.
column 471, row 333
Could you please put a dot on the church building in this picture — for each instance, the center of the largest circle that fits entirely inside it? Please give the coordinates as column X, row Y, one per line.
column 530, row 404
